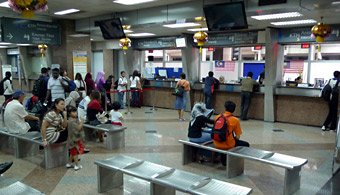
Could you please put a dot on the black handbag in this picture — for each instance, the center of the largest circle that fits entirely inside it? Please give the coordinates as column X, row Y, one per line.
column 179, row 91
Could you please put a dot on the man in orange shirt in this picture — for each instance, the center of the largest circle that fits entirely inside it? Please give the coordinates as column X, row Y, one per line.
column 234, row 131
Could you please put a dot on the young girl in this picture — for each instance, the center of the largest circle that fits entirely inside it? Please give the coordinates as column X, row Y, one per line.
column 75, row 138
column 115, row 115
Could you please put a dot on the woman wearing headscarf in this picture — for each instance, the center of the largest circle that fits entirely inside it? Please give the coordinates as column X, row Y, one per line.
column 90, row 85
column 200, row 117
column 100, row 84
column 72, row 99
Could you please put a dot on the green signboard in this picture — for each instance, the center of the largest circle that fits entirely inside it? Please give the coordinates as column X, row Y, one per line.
column 30, row 32
column 304, row 34
column 232, row 38
column 155, row 43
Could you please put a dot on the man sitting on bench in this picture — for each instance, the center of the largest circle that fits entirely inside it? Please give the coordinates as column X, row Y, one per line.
column 234, row 131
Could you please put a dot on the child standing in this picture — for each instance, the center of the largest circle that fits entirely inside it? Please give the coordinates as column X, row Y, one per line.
column 115, row 115
column 75, row 138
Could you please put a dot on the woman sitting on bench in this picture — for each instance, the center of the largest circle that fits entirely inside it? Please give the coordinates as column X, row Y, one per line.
column 200, row 117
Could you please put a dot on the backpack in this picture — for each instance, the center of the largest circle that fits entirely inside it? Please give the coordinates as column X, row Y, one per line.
column 2, row 88
column 220, row 129
column 38, row 87
column 71, row 85
column 327, row 91
column 179, row 91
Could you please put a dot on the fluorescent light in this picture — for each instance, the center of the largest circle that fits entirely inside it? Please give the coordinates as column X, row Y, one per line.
column 23, row 44
column 68, row 11
column 294, row 22
column 277, row 16
column 79, row 35
column 181, row 25
column 141, row 34
column 335, row 2
column 4, row 43
column 131, row 2
column 198, row 29
column 2, row 46
column 4, row 4
column 128, row 31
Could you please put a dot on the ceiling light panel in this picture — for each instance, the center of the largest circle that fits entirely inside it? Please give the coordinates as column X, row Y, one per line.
column 198, row 29
column 141, row 34
column 4, row 4
column 4, row 43
column 294, row 22
column 132, row 2
column 128, row 31
column 277, row 16
column 68, row 11
column 335, row 2
column 181, row 25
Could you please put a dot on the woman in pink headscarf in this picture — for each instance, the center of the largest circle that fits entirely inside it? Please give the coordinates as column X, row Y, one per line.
column 89, row 83
column 100, row 84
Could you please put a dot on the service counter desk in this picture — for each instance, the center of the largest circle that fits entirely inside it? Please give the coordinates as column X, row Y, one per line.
column 291, row 104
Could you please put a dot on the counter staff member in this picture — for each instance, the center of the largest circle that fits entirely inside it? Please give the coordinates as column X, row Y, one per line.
column 247, row 85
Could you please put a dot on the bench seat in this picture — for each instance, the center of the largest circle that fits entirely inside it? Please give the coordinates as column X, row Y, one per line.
column 235, row 161
column 25, row 145
column 163, row 180
column 115, row 134
column 19, row 188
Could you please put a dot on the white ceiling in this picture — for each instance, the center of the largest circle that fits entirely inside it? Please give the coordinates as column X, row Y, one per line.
column 311, row 9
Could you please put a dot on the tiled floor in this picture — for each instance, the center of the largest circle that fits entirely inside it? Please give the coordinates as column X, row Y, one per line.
column 153, row 136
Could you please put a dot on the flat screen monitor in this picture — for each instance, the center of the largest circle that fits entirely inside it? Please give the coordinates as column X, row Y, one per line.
column 111, row 29
column 225, row 16
column 163, row 73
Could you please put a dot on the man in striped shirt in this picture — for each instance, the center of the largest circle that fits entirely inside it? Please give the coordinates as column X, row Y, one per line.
column 55, row 86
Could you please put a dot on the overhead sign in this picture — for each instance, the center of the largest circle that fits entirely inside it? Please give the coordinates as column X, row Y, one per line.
column 30, row 32
column 236, row 38
column 304, row 34
column 154, row 43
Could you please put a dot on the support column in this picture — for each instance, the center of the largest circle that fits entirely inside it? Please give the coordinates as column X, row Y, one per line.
column 273, row 72
column 108, row 62
column 191, row 63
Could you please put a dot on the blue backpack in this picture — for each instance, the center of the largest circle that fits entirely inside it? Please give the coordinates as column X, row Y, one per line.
column 71, row 85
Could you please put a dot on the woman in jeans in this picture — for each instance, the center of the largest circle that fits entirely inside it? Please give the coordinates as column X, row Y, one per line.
column 181, row 102
column 53, row 128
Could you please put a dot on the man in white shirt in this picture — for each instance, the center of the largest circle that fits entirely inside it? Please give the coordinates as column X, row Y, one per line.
column 55, row 86
column 15, row 115
column 122, row 83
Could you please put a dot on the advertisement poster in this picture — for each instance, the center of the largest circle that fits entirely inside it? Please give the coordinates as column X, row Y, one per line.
column 80, row 63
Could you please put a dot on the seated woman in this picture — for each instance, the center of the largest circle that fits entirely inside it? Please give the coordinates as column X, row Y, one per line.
column 200, row 117
column 53, row 128
column 93, row 108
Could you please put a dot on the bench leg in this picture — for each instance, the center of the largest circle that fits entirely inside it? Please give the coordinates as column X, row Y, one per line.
column 7, row 144
column 89, row 134
column 187, row 154
column 235, row 166
column 115, row 140
column 55, row 155
column 108, row 179
column 292, row 181
column 25, row 148
column 159, row 189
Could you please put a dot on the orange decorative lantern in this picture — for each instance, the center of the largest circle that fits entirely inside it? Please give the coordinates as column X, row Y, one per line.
column 200, row 38
column 42, row 48
column 125, row 43
column 320, row 31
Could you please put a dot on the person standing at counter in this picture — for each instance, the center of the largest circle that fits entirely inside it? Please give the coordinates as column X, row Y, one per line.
column 181, row 102
column 247, row 85
column 122, row 83
column 210, row 83
column 333, row 103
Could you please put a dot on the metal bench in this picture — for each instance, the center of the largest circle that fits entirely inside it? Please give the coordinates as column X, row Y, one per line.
column 163, row 180
column 24, row 145
column 19, row 188
column 235, row 161
column 115, row 134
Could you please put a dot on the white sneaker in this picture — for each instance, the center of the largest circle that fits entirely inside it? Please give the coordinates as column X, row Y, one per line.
column 323, row 128
column 76, row 168
column 69, row 165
